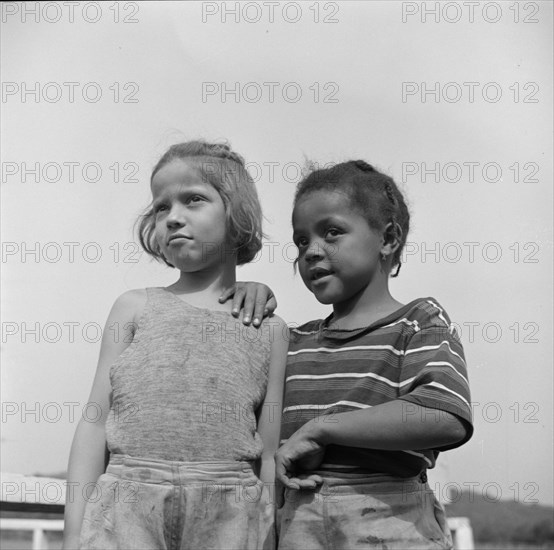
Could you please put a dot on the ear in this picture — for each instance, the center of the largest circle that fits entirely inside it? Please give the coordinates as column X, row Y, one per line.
column 392, row 238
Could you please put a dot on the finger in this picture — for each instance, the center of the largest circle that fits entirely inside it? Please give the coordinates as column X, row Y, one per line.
column 227, row 293
column 289, row 483
column 318, row 480
column 248, row 306
column 304, row 483
column 281, row 474
column 238, row 298
column 308, row 482
column 260, row 307
column 271, row 305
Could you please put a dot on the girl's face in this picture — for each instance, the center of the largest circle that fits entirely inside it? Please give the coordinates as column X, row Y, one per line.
column 338, row 253
column 190, row 218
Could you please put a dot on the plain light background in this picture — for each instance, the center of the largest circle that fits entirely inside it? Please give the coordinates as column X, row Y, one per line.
column 481, row 241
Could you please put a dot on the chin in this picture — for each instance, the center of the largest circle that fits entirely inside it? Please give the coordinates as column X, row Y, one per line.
column 187, row 265
column 322, row 299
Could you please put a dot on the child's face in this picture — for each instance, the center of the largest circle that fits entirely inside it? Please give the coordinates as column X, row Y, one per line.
column 190, row 218
column 338, row 253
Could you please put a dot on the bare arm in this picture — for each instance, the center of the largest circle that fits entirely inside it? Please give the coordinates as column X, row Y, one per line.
column 395, row 425
column 269, row 424
column 88, row 451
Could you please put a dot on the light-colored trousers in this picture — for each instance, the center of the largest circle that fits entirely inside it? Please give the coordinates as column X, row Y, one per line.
column 353, row 512
column 162, row 505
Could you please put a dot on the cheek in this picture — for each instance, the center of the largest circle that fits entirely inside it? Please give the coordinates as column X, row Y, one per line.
column 216, row 216
column 303, row 270
column 159, row 233
column 219, row 230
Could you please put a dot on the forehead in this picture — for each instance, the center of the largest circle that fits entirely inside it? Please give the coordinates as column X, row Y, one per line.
column 322, row 204
column 178, row 175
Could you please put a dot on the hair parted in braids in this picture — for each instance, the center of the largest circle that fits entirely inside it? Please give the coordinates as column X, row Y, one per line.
column 373, row 194
column 223, row 169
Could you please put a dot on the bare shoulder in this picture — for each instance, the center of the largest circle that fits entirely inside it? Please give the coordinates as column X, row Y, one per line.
column 277, row 323
column 279, row 333
column 129, row 305
column 122, row 322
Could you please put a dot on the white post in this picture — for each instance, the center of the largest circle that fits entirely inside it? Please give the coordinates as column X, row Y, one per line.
column 462, row 533
column 39, row 540
column 37, row 526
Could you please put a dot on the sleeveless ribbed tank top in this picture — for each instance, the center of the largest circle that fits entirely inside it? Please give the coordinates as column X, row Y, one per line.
column 188, row 385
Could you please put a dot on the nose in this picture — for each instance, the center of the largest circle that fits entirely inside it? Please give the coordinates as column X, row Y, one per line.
column 176, row 217
column 314, row 252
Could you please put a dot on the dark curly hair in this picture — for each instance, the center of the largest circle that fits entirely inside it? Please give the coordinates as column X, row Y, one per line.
column 373, row 194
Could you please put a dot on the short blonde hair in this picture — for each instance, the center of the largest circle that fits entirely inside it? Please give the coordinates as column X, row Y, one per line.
column 224, row 170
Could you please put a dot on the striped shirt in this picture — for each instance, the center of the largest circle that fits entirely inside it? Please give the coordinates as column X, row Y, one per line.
column 413, row 354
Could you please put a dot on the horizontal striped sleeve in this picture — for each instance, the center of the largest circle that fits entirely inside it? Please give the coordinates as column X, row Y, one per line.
column 434, row 364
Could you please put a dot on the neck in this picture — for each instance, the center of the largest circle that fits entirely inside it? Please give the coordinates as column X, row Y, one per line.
column 205, row 287
column 371, row 304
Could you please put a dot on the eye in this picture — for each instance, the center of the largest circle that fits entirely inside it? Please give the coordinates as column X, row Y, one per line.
column 160, row 207
column 332, row 232
column 301, row 242
column 195, row 199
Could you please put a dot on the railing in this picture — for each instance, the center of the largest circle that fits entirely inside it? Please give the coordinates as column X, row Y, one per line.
column 33, row 504
column 37, row 526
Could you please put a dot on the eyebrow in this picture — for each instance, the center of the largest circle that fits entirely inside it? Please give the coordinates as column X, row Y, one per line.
column 196, row 189
column 333, row 218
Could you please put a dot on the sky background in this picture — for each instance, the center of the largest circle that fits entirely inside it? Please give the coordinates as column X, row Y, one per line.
column 456, row 106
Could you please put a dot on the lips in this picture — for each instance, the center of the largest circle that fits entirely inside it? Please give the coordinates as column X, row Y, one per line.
column 177, row 237
column 317, row 273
